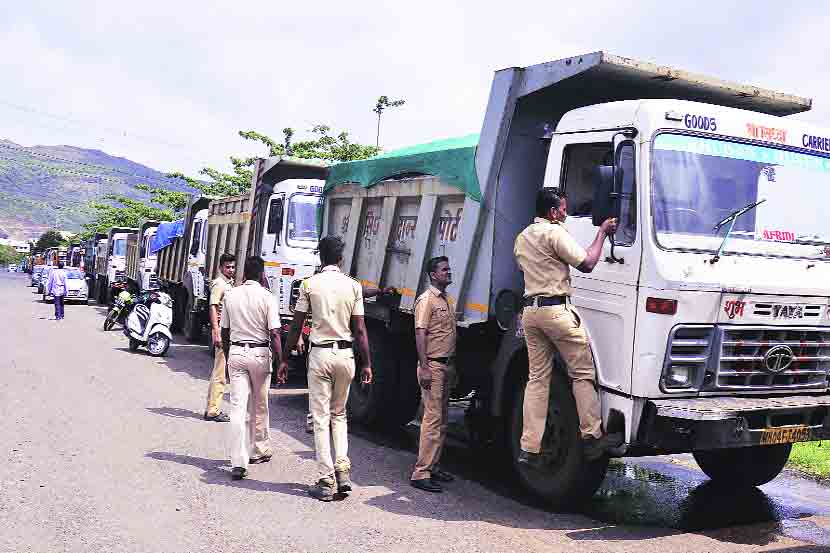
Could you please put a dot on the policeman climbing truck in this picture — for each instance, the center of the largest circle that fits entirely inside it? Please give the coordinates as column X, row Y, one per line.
column 276, row 220
column 707, row 313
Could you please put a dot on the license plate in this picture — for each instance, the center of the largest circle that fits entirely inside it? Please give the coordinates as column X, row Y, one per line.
column 787, row 311
column 786, row 435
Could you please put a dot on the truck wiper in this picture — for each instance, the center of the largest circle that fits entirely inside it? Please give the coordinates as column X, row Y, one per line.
column 731, row 218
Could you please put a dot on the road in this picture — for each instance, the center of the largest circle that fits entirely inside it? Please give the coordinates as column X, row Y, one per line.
column 105, row 450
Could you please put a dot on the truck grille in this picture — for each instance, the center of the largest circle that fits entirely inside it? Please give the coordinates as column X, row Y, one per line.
column 120, row 276
column 154, row 282
column 741, row 363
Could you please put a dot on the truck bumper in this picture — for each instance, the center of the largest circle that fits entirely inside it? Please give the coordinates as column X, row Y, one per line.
column 683, row 425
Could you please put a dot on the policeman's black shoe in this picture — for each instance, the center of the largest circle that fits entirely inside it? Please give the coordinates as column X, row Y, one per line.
column 595, row 448
column 531, row 461
column 441, row 476
column 263, row 459
column 323, row 489
column 238, row 473
column 344, row 480
column 218, row 417
column 427, row 485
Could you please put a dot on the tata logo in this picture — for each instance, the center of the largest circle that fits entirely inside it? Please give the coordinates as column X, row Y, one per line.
column 778, row 358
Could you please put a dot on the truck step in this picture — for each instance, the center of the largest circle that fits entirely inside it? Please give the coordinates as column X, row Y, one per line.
column 718, row 408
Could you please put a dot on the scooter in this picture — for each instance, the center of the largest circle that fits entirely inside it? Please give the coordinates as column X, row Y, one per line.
column 120, row 308
column 149, row 324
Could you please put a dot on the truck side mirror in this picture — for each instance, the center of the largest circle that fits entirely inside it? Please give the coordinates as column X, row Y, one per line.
column 606, row 201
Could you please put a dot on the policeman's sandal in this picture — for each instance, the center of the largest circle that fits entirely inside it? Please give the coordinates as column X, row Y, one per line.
column 344, row 481
column 323, row 489
column 533, row 461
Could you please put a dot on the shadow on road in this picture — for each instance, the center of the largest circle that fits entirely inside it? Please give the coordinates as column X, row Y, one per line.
column 176, row 413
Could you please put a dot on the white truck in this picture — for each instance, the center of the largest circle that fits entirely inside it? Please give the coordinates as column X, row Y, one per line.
column 277, row 220
column 141, row 261
column 111, row 268
column 708, row 313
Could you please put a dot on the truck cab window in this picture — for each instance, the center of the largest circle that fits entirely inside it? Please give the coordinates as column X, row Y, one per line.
column 275, row 219
column 579, row 161
column 197, row 236
column 627, row 227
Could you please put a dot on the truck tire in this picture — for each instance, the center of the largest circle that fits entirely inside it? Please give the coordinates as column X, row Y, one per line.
column 744, row 466
column 568, row 479
column 391, row 400
column 191, row 328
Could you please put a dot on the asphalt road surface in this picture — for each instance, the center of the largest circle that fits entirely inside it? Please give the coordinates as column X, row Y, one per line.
column 105, row 450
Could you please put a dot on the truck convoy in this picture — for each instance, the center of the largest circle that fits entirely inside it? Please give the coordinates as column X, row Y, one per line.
column 708, row 313
column 141, row 262
column 276, row 220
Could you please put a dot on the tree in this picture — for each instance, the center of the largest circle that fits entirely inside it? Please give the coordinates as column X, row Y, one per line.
column 128, row 212
column 381, row 105
column 49, row 239
column 9, row 255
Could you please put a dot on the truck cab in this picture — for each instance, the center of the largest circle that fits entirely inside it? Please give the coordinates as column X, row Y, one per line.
column 289, row 239
column 196, row 255
column 117, row 258
column 148, row 261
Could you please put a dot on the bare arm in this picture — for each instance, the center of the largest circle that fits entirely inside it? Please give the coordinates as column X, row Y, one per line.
column 226, row 341
column 358, row 325
column 214, row 325
column 424, row 375
column 608, row 227
column 294, row 332
column 372, row 291
column 276, row 350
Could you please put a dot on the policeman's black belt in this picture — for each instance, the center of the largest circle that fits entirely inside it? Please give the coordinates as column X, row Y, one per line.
column 341, row 344
column 545, row 301
column 251, row 344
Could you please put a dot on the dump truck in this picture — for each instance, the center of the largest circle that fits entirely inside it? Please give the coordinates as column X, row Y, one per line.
column 277, row 220
column 141, row 262
column 111, row 262
column 708, row 312
column 90, row 248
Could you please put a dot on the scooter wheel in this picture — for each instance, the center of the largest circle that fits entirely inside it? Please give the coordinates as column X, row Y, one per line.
column 133, row 344
column 157, row 344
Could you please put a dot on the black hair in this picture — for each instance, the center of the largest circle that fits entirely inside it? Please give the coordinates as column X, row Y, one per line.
column 547, row 199
column 331, row 250
column 226, row 258
column 254, row 267
column 60, row 265
column 432, row 264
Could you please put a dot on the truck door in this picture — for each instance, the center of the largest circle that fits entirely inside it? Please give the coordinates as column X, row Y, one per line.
column 607, row 297
column 273, row 243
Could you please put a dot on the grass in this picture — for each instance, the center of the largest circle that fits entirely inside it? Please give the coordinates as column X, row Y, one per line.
column 812, row 458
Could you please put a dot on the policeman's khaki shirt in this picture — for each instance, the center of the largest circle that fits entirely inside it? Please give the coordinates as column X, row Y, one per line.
column 433, row 314
column 218, row 288
column 333, row 298
column 544, row 251
column 251, row 312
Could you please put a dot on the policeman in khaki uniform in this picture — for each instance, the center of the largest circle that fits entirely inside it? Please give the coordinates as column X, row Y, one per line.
column 218, row 288
column 545, row 251
column 337, row 303
column 435, row 342
column 251, row 339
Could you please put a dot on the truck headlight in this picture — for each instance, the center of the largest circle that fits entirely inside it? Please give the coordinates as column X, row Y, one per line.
column 678, row 376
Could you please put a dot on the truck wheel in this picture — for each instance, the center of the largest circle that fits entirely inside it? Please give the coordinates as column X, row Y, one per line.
column 744, row 466
column 390, row 400
column 191, row 323
column 568, row 479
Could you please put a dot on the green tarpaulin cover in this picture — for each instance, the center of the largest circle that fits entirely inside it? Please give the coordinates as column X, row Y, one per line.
column 452, row 160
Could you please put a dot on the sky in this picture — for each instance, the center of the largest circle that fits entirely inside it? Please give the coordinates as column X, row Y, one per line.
column 169, row 84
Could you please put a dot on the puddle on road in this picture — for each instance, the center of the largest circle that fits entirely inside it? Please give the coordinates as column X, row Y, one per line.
column 659, row 493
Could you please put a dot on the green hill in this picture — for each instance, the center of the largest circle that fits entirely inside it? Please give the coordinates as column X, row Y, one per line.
column 44, row 187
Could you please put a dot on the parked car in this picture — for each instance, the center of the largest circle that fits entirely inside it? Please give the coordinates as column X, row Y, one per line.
column 12, row 268
column 37, row 270
column 76, row 287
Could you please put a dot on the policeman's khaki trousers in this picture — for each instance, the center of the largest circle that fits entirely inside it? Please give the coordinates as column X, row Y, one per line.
column 548, row 330
column 216, row 389
column 250, row 432
column 435, row 403
column 330, row 374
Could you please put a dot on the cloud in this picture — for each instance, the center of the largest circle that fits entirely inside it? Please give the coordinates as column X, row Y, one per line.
column 170, row 83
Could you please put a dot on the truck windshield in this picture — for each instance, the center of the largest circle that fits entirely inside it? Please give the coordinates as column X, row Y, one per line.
column 699, row 181
column 119, row 247
column 302, row 220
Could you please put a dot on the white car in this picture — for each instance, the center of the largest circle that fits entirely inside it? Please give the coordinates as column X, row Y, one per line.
column 12, row 268
column 76, row 288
